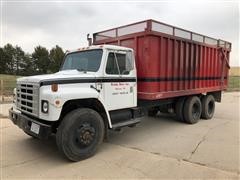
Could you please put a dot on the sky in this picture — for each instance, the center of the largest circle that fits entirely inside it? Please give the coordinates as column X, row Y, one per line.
column 67, row 23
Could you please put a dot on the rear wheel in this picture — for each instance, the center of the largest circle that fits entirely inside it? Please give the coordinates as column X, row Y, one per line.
column 192, row 110
column 208, row 106
column 80, row 133
column 179, row 109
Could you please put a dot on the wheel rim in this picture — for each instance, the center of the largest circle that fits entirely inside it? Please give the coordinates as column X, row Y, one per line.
column 210, row 107
column 84, row 135
column 196, row 111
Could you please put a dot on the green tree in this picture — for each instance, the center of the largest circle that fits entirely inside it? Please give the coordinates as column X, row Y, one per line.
column 56, row 57
column 9, row 56
column 28, row 66
column 40, row 58
column 19, row 60
column 3, row 61
column 12, row 59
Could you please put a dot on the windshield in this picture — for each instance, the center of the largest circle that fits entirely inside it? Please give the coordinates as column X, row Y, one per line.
column 89, row 60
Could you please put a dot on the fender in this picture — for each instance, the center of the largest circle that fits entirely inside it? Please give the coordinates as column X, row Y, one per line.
column 67, row 92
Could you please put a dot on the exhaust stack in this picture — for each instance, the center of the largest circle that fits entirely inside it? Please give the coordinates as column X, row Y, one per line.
column 89, row 40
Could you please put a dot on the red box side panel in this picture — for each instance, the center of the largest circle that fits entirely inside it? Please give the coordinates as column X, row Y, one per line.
column 169, row 66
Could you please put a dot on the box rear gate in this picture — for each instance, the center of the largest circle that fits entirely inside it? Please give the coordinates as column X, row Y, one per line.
column 172, row 61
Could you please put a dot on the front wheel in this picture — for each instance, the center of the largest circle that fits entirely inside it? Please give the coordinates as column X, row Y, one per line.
column 80, row 133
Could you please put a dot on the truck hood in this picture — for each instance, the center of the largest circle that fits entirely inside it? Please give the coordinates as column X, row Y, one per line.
column 67, row 74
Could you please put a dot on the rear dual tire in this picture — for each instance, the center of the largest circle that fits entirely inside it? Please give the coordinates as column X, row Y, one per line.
column 179, row 108
column 208, row 107
column 191, row 109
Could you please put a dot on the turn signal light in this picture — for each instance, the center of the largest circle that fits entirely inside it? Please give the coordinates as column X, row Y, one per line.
column 54, row 87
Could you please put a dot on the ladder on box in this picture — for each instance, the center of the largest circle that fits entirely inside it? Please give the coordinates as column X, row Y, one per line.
column 225, row 62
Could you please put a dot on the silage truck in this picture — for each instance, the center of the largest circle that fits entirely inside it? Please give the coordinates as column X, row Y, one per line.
column 124, row 74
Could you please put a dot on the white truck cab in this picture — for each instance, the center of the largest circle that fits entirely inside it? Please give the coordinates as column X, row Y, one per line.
column 97, row 82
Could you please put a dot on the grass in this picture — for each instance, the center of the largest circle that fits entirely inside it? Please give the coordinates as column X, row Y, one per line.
column 234, row 83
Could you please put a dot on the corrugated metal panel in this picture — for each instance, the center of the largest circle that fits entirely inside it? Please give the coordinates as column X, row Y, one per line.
column 169, row 66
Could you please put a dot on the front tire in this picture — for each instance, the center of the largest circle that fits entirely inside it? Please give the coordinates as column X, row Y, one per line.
column 80, row 133
column 192, row 109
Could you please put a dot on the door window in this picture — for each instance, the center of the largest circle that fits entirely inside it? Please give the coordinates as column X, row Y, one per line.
column 119, row 63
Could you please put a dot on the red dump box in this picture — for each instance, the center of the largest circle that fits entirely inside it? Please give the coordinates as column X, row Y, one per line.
column 171, row 61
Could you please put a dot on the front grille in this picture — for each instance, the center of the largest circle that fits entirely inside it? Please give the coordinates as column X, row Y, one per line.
column 27, row 98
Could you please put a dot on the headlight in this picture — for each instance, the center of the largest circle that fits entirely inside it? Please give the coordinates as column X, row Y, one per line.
column 44, row 106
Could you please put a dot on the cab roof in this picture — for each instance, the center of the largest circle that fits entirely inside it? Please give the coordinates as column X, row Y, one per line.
column 103, row 46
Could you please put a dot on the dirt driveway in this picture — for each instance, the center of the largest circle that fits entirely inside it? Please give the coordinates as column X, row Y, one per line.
column 159, row 147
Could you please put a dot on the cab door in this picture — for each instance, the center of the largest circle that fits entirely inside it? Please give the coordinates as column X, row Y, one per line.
column 119, row 86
